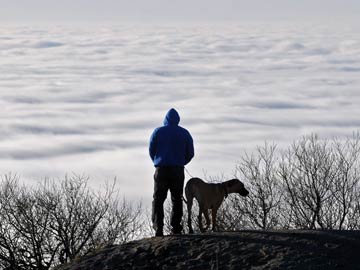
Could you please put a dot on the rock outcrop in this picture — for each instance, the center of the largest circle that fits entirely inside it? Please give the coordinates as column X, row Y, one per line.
column 231, row 250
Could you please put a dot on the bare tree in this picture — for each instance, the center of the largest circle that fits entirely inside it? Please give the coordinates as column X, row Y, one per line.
column 122, row 222
column 340, row 208
column 25, row 235
column 308, row 170
column 76, row 212
column 10, row 239
column 56, row 222
column 263, row 205
column 231, row 215
column 354, row 214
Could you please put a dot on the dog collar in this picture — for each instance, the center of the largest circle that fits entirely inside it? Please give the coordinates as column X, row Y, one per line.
column 225, row 190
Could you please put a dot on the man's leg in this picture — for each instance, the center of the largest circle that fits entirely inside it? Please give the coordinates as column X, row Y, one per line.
column 160, row 193
column 176, row 189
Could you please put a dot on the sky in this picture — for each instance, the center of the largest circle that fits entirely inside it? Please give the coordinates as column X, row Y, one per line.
column 14, row 11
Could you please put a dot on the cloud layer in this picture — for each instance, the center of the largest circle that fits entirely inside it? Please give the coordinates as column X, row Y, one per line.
column 87, row 99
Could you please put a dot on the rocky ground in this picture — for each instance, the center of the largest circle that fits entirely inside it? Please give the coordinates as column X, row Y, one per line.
column 232, row 250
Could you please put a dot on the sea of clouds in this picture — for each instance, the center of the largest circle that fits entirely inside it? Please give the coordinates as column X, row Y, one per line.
column 86, row 99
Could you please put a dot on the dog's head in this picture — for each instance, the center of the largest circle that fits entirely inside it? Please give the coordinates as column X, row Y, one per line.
column 236, row 186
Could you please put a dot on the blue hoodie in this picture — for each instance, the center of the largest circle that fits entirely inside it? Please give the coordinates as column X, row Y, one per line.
column 171, row 145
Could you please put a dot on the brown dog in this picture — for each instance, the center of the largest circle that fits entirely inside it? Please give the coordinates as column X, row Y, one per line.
column 210, row 196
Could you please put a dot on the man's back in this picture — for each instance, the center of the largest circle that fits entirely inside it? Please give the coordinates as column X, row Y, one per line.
column 171, row 145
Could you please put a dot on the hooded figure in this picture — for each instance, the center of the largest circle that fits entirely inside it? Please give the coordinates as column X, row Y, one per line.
column 171, row 148
column 171, row 145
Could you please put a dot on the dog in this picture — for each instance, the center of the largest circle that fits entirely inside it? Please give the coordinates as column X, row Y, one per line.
column 210, row 196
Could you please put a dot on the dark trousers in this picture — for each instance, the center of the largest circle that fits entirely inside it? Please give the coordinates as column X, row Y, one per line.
column 168, row 178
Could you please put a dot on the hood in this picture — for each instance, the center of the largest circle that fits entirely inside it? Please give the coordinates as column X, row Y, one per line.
column 172, row 118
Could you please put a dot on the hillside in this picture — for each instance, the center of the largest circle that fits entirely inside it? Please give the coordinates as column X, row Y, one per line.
column 232, row 250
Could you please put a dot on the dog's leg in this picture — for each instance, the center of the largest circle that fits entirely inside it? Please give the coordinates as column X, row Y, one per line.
column 200, row 220
column 206, row 214
column 189, row 206
column 213, row 217
column 189, row 201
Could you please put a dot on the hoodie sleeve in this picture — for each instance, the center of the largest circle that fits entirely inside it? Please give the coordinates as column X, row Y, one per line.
column 189, row 149
column 152, row 145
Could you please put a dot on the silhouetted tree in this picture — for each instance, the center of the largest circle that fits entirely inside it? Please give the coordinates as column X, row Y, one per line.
column 340, row 210
column 322, row 183
column 263, row 205
column 313, row 184
column 308, row 170
column 57, row 221
column 25, row 236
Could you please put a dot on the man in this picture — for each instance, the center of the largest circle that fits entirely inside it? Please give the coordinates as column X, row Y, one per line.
column 171, row 148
